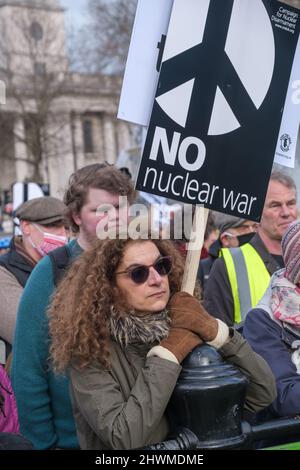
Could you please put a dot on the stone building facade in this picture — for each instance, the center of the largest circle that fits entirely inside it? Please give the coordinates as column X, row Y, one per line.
column 79, row 110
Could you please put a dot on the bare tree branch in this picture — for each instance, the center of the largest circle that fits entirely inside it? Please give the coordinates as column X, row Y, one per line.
column 35, row 78
column 104, row 42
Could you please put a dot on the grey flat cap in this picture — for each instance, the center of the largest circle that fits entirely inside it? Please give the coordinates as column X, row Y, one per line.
column 42, row 210
column 224, row 222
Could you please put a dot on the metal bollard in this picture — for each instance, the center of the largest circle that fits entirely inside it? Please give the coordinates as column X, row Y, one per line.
column 208, row 401
column 205, row 410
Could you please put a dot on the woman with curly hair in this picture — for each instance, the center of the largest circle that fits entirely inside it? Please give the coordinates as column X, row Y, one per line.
column 120, row 325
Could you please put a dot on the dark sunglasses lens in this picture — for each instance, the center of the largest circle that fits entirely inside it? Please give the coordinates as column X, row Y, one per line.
column 163, row 266
column 140, row 274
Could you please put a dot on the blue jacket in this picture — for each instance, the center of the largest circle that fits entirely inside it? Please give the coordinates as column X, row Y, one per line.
column 273, row 342
column 43, row 400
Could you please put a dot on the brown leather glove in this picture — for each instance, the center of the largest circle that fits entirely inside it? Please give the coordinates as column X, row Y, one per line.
column 186, row 312
column 180, row 342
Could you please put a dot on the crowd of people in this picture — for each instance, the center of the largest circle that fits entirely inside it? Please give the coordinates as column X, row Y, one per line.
column 95, row 330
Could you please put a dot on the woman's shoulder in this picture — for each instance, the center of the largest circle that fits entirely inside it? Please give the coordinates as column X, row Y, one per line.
column 118, row 355
column 260, row 316
column 259, row 324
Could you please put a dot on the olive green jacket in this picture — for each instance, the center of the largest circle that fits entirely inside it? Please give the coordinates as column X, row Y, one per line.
column 123, row 408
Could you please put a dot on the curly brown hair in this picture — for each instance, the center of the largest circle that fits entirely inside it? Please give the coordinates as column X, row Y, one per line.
column 81, row 306
column 96, row 176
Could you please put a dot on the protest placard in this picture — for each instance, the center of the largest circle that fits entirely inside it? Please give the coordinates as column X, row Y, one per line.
column 219, row 100
column 288, row 134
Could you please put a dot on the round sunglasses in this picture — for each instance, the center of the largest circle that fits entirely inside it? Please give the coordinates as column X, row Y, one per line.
column 140, row 274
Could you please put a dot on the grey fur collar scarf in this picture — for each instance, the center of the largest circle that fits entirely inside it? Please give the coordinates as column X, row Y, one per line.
column 148, row 328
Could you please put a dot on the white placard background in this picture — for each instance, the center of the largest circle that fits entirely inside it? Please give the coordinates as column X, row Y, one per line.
column 291, row 117
column 140, row 78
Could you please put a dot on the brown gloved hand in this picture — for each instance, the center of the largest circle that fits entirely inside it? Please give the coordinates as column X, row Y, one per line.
column 180, row 342
column 187, row 312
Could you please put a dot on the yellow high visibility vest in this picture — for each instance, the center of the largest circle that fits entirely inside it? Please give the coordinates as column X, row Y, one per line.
column 248, row 277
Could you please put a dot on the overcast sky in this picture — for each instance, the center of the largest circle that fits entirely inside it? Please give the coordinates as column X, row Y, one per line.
column 75, row 11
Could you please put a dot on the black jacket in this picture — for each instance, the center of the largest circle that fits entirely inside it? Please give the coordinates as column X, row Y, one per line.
column 206, row 264
column 15, row 263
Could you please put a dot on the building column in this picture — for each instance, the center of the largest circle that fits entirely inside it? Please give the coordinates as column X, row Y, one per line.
column 77, row 142
column 110, row 147
column 124, row 137
column 99, row 138
column 61, row 161
column 23, row 170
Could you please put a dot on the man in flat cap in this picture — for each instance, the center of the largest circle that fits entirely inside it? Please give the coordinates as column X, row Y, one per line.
column 43, row 230
column 233, row 232
column 239, row 278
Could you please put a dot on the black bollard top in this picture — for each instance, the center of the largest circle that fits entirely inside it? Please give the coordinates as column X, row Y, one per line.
column 205, row 363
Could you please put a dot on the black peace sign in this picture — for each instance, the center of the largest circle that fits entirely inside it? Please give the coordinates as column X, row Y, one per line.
column 210, row 66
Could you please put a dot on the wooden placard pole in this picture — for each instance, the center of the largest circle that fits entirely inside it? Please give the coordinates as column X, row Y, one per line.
column 194, row 250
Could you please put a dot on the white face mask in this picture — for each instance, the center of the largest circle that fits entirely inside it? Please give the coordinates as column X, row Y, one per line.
column 49, row 243
column 242, row 239
column 228, row 234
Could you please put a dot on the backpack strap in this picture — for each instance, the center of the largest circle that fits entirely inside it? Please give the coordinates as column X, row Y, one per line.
column 60, row 260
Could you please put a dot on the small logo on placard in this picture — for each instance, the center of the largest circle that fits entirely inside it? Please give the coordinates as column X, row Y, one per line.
column 285, row 142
